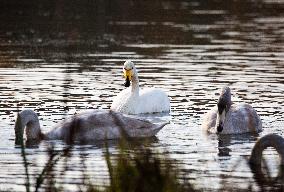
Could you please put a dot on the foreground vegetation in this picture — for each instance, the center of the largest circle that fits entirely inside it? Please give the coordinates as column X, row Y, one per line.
column 135, row 168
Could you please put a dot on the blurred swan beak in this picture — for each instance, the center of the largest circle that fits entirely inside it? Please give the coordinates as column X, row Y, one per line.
column 220, row 121
column 127, row 74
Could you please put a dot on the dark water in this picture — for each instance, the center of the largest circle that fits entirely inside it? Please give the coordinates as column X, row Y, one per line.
column 62, row 57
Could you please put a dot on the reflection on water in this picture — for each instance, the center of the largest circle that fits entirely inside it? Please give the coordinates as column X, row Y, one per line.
column 60, row 58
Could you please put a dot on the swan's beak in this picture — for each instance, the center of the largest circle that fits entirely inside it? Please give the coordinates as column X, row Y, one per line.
column 127, row 73
column 128, row 76
column 219, row 128
column 127, row 82
column 220, row 121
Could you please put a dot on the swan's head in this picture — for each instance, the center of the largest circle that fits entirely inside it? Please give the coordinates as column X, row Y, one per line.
column 27, row 119
column 224, row 103
column 128, row 71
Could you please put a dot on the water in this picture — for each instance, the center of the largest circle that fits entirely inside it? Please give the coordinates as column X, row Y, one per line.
column 59, row 59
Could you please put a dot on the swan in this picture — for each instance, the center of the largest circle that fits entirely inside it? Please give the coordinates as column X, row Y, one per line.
column 270, row 140
column 262, row 176
column 132, row 100
column 230, row 118
column 87, row 126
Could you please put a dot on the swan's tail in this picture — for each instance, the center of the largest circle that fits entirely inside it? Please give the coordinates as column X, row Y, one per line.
column 158, row 127
column 146, row 131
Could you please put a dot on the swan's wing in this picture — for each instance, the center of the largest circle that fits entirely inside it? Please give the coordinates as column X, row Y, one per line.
column 134, row 127
column 111, row 125
column 121, row 99
column 244, row 118
column 209, row 121
column 102, row 124
column 153, row 100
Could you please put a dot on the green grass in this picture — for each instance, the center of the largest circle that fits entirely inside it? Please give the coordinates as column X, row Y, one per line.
column 140, row 169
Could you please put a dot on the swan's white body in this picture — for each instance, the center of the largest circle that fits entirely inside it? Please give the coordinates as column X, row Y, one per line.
column 229, row 118
column 88, row 126
column 240, row 118
column 149, row 100
column 132, row 100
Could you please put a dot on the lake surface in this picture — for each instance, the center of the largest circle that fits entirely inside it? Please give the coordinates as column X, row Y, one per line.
column 61, row 58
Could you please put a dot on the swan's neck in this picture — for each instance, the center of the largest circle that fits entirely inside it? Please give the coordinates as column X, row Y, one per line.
column 135, row 84
column 270, row 140
column 29, row 120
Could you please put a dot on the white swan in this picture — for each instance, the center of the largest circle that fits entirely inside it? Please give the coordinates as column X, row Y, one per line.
column 229, row 118
column 88, row 126
column 135, row 101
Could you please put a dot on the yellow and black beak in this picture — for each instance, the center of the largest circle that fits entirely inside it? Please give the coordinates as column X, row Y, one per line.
column 128, row 76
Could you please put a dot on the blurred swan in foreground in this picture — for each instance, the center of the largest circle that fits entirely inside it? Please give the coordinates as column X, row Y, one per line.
column 88, row 126
column 261, row 172
column 135, row 101
column 229, row 118
column 270, row 140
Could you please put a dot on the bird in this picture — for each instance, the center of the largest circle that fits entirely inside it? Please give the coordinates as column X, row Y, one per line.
column 258, row 165
column 134, row 101
column 231, row 118
column 269, row 140
column 92, row 125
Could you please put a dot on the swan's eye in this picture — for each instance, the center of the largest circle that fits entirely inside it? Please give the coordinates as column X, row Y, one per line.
column 127, row 69
column 131, row 67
